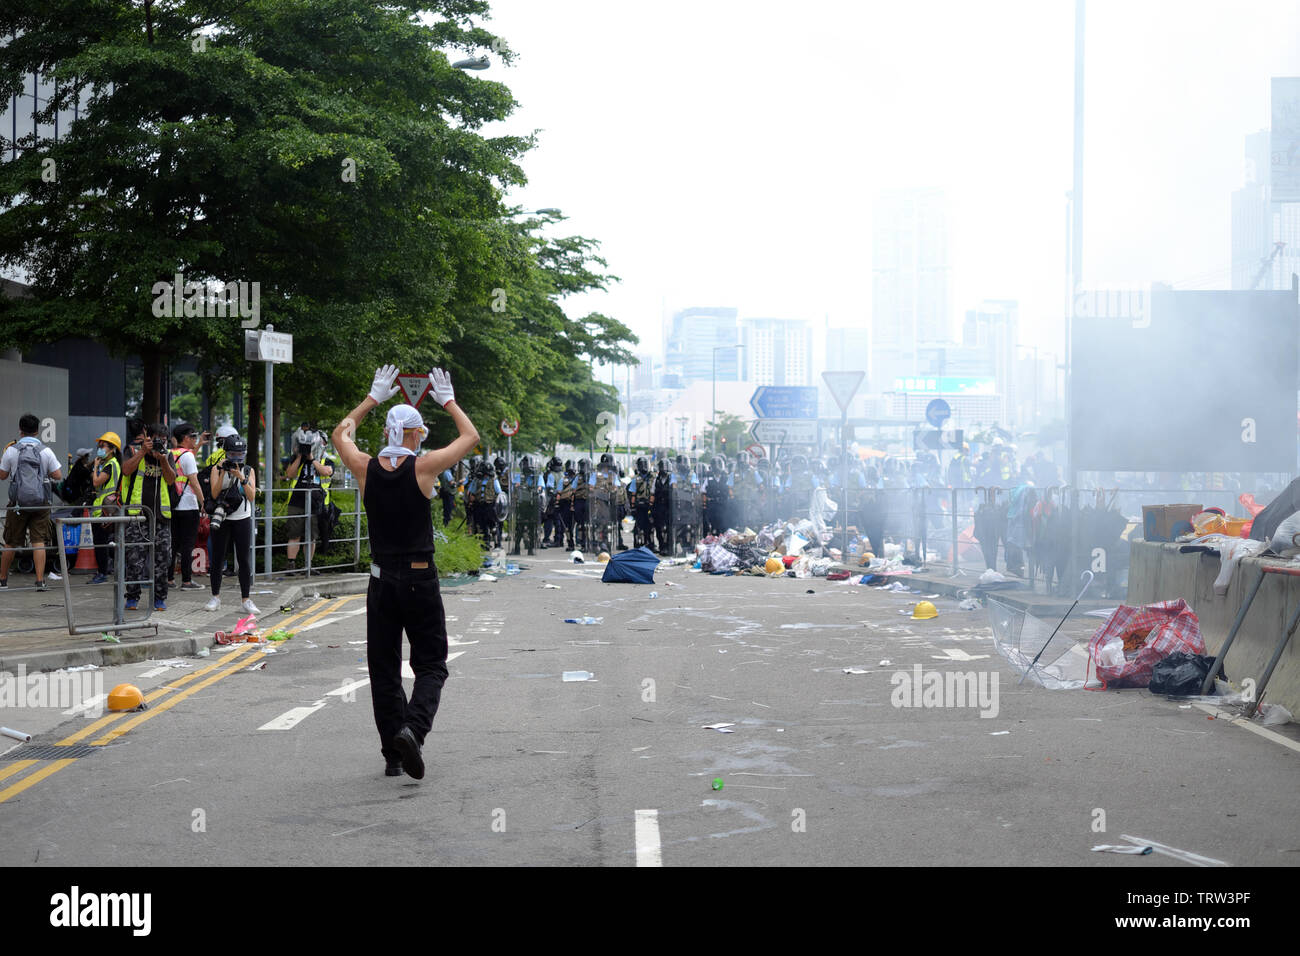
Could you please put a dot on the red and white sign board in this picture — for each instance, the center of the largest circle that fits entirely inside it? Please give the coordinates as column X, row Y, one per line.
column 757, row 450
column 415, row 387
column 509, row 428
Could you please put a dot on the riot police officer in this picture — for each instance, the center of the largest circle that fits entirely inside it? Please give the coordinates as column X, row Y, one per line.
column 640, row 490
column 660, row 502
column 486, row 490
column 603, row 502
column 526, row 497
column 581, row 485
column 552, row 531
column 685, row 506
column 717, row 497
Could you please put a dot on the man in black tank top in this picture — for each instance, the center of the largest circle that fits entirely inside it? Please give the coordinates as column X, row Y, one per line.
column 395, row 487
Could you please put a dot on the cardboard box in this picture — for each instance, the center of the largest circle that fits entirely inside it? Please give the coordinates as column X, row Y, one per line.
column 1158, row 521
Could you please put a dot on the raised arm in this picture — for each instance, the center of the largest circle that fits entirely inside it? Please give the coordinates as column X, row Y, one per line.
column 442, row 458
column 345, row 432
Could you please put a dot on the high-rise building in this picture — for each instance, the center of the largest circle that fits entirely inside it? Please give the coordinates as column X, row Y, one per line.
column 993, row 328
column 847, row 350
column 911, row 273
column 777, row 351
column 1252, row 220
column 693, row 335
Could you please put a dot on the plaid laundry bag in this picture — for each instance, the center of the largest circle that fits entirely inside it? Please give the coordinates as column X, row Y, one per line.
column 1126, row 648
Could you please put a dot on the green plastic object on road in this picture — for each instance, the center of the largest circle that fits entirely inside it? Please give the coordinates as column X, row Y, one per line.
column 717, row 783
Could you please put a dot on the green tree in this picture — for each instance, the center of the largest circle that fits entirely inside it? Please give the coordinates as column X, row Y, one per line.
column 732, row 435
column 325, row 149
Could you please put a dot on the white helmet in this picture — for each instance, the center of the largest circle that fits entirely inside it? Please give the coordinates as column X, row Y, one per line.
column 225, row 431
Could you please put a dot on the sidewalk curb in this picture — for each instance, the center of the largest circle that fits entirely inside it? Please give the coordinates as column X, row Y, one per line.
column 103, row 654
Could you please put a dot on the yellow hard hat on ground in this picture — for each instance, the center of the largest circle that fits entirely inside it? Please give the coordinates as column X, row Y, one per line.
column 602, row 557
column 126, row 697
column 773, row 566
column 112, row 438
column 924, row 611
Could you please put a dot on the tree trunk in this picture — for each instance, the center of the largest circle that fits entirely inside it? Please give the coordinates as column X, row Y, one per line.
column 151, row 400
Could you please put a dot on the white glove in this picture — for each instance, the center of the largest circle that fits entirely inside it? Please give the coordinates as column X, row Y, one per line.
column 440, row 380
column 317, row 450
column 384, row 386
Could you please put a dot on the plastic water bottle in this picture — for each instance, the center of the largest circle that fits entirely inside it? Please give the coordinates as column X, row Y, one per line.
column 654, row 594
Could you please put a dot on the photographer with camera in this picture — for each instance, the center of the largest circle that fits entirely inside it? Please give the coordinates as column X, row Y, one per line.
column 232, row 488
column 146, row 476
column 310, row 471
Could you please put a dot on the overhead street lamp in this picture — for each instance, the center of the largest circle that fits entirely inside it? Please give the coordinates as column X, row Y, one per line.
column 474, row 63
column 714, row 416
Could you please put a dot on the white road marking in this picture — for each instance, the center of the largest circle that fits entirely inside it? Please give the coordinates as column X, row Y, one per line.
column 347, row 689
column 406, row 665
column 90, row 703
column 648, row 852
column 1186, row 856
column 957, row 654
column 291, row 718
column 1242, row 722
column 152, row 672
column 332, row 619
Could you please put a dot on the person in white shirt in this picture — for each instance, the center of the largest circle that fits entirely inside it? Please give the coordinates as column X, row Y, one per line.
column 28, row 517
column 185, row 516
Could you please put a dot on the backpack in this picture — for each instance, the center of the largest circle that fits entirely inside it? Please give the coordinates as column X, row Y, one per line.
column 172, row 493
column 29, row 486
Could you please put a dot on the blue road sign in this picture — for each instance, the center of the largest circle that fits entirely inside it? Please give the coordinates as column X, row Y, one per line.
column 785, row 401
column 937, row 412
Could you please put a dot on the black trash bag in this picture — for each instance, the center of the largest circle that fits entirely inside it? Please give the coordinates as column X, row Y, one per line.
column 1181, row 674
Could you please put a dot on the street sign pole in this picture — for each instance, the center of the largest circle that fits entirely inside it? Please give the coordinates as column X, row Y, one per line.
column 844, row 466
column 268, row 470
column 843, row 385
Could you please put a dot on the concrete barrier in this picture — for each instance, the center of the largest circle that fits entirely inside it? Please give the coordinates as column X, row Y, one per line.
column 1158, row 572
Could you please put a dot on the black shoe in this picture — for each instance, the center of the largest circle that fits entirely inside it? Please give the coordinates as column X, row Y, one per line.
column 409, row 748
column 393, row 767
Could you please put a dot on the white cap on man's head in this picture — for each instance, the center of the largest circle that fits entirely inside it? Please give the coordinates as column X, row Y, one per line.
column 226, row 431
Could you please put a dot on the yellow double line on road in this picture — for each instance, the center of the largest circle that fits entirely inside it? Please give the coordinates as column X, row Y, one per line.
column 223, row 668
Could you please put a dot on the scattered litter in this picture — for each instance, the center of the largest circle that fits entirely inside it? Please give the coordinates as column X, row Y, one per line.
column 350, row 642
column 83, row 667
column 855, row 670
column 280, row 635
column 653, row 595
column 810, row 591
column 334, row 647
column 717, row 783
column 584, row 620
column 1101, row 612
column 173, row 662
column 999, row 733
column 576, row 557
column 111, row 638
column 310, row 644
column 672, row 584
column 720, row 728
column 570, row 677
column 548, row 587
column 257, row 667
column 1129, row 850
column 898, row 586
column 884, row 663
column 1275, row 715
column 203, row 652
column 16, row 734
column 189, row 631
column 486, row 577
column 993, row 577
column 969, row 604
column 1184, row 706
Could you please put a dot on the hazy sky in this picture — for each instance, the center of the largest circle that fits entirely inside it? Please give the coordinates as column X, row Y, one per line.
column 727, row 153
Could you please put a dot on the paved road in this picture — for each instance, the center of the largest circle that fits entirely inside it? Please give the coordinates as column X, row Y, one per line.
column 280, row 765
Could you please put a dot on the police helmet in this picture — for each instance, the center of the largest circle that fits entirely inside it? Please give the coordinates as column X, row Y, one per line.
column 662, row 466
column 584, row 466
column 642, row 466
column 554, row 464
column 526, row 464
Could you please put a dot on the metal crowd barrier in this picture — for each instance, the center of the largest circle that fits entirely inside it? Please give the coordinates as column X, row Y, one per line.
column 119, row 622
column 307, row 544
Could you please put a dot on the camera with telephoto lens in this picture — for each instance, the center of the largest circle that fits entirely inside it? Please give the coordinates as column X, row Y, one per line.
column 230, row 498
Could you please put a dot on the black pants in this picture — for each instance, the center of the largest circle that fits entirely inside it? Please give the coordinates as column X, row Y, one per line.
column 448, row 502
column 405, row 599
column 240, row 535
column 185, row 530
column 103, row 535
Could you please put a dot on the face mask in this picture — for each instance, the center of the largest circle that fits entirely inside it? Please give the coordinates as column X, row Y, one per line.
column 101, row 452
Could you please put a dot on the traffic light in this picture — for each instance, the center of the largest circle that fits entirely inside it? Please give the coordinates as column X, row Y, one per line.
column 724, row 444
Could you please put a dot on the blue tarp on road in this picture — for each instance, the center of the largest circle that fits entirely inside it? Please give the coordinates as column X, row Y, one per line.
column 633, row 567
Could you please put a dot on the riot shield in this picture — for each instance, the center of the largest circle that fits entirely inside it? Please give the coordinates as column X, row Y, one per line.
column 686, row 514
